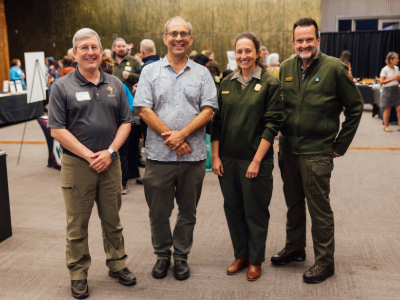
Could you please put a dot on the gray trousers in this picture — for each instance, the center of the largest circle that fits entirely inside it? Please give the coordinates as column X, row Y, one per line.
column 164, row 181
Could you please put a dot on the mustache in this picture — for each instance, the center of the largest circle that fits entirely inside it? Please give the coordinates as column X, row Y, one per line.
column 302, row 49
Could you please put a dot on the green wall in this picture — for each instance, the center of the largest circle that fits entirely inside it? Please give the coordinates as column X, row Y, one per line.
column 49, row 25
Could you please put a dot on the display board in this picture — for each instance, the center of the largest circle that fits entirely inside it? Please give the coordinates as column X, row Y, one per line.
column 35, row 83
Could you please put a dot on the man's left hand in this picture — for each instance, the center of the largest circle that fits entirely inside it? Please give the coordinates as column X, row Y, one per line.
column 125, row 74
column 175, row 139
column 335, row 154
column 102, row 161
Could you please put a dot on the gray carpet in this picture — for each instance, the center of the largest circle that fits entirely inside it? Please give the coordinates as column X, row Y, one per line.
column 365, row 199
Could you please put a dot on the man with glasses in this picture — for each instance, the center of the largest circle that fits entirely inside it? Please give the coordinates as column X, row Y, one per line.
column 176, row 98
column 90, row 117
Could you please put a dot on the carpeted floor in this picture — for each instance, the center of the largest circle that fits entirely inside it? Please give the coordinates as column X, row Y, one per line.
column 365, row 198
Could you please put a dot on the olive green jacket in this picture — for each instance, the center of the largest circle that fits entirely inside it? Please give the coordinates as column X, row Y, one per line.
column 313, row 106
column 129, row 62
column 245, row 116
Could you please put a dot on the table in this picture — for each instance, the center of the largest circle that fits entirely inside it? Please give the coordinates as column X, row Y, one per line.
column 14, row 108
column 5, row 215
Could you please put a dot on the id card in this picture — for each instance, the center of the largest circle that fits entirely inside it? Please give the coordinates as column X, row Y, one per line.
column 82, row 96
column 128, row 68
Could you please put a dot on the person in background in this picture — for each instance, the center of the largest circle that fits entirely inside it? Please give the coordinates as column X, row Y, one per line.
column 106, row 64
column 16, row 72
column 54, row 74
column 47, row 64
column 129, row 48
column 201, row 59
column 264, row 53
column 273, row 64
column 390, row 96
column 213, row 65
column 67, row 63
column 139, row 58
column 71, row 56
column 242, row 133
column 345, row 58
column 107, row 53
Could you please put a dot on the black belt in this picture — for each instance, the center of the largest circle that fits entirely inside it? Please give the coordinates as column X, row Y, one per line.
column 65, row 151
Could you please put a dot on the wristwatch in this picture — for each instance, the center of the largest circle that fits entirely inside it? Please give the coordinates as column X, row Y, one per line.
column 114, row 154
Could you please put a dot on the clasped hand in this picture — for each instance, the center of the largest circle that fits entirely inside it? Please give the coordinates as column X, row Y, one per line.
column 100, row 161
column 176, row 141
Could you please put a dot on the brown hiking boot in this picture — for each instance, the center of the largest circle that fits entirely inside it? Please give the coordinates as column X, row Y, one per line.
column 317, row 274
column 79, row 289
column 286, row 256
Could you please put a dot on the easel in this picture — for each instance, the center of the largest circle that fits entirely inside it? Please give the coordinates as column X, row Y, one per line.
column 41, row 73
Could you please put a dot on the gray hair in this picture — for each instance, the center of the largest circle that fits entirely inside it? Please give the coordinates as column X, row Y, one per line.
column 177, row 17
column 147, row 46
column 118, row 40
column 390, row 56
column 263, row 48
column 84, row 33
column 273, row 59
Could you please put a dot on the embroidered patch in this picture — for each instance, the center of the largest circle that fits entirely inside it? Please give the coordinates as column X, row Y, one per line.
column 110, row 89
column 289, row 79
column 225, row 92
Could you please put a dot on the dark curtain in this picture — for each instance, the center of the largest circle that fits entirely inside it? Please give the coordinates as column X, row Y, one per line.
column 368, row 49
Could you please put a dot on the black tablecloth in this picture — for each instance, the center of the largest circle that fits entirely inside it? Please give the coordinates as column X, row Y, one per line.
column 15, row 109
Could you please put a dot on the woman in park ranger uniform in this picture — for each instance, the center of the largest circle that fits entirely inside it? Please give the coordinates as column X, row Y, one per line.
column 250, row 116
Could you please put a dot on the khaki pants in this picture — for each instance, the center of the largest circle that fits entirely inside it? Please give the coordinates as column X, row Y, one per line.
column 82, row 186
column 164, row 181
column 308, row 176
column 246, row 202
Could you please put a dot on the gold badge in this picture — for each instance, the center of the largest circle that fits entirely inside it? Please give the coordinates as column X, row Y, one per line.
column 225, row 92
column 289, row 79
column 258, row 87
column 128, row 63
column 110, row 89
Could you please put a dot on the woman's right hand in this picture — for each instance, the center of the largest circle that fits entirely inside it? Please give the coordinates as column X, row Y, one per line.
column 217, row 167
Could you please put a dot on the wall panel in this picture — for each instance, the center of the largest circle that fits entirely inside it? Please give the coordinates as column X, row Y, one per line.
column 4, row 57
column 48, row 25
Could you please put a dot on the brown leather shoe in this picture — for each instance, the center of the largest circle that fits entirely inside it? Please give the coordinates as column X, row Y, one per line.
column 237, row 266
column 124, row 276
column 317, row 274
column 253, row 273
column 79, row 289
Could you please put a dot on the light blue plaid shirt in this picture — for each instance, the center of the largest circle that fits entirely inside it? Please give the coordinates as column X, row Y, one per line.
column 176, row 99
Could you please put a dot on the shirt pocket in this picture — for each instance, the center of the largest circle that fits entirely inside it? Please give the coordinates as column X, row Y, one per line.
column 192, row 94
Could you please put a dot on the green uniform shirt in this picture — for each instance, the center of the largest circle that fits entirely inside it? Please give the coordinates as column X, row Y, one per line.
column 130, row 64
column 247, row 115
column 313, row 106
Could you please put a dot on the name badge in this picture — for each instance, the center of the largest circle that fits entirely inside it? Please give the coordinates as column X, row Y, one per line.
column 289, row 79
column 128, row 68
column 82, row 96
column 225, row 92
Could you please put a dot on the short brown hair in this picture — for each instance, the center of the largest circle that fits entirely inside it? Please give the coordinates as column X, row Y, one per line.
column 67, row 61
column 306, row 22
column 208, row 53
column 107, row 64
column 252, row 37
column 14, row 62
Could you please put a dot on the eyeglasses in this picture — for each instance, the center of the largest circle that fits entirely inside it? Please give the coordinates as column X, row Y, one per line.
column 175, row 34
column 86, row 48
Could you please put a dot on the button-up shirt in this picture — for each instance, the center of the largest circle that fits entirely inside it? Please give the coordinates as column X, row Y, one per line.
column 256, row 74
column 176, row 99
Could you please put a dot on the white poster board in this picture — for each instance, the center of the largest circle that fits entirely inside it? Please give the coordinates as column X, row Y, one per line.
column 232, row 59
column 5, row 86
column 35, row 83
column 12, row 87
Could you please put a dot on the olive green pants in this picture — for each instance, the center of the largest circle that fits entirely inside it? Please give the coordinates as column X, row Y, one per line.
column 164, row 181
column 81, row 187
column 246, row 202
column 308, row 176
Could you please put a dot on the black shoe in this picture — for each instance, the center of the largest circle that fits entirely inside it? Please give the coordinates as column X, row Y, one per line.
column 317, row 274
column 160, row 269
column 286, row 256
column 181, row 270
column 80, row 289
column 125, row 276
column 139, row 181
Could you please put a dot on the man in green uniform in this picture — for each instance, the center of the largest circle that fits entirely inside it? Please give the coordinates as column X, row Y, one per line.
column 314, row 88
